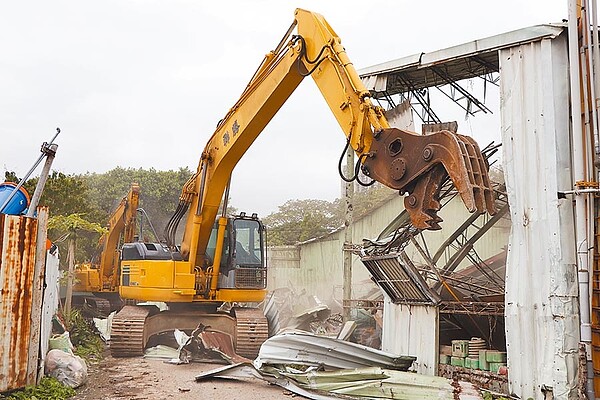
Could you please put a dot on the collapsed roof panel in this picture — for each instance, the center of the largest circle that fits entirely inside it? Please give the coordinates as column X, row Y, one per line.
column 400, row 281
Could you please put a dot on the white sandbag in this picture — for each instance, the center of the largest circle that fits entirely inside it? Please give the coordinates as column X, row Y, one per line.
column 69, row 369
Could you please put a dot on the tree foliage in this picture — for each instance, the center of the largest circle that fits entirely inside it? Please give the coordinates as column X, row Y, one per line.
column 159, row 190
column 73, row 224
column 63, row 194
column 66, row 195
column 299, row 220
column 94, row 196
column 366, row 200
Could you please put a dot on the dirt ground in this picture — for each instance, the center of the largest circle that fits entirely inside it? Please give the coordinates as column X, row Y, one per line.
column 149, row 379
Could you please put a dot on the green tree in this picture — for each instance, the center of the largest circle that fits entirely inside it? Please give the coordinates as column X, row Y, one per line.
column 299, row 220
column 64, row 195
column 159, row 190
column 368, row 199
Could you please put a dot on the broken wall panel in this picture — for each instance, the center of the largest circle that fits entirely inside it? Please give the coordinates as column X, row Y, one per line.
column 542, row 323
column 18, row 237
column 412, row 330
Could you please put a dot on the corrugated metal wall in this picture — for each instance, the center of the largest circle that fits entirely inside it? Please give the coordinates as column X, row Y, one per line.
column 21, row 273
column 541, row 290
column 412, row 330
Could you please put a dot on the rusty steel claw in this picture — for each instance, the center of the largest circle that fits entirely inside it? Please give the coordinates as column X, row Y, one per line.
column 418, row 165
column 423, row 202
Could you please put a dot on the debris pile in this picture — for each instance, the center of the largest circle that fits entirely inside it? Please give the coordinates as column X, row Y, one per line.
column 322, row 367
column 285, row 308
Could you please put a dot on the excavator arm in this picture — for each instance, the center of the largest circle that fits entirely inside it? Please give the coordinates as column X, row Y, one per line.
column 411, row 163
column 122, row 221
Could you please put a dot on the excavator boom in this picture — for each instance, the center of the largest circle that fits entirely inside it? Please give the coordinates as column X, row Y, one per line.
column 406, row 161
column 97, row 282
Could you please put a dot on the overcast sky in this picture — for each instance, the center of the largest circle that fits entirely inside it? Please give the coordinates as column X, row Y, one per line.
column 143, row 83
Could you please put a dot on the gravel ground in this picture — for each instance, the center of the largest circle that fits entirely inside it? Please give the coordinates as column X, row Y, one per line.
column 143, row 379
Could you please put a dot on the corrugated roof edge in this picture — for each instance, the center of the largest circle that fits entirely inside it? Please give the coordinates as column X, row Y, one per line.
column 491, row 43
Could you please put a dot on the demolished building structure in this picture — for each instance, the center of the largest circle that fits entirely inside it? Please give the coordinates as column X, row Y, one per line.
column 518, row 274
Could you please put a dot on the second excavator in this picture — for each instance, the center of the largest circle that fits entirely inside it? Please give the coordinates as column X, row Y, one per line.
column 222, row 258
column 96, row 286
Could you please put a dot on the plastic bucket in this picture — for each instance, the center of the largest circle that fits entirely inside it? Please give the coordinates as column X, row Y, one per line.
column 18, row 203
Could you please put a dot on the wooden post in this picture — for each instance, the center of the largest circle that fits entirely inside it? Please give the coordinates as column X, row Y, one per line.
column 71, row 274
column 35, row 371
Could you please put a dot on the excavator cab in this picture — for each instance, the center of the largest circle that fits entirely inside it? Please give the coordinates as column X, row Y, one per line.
column 242, row 260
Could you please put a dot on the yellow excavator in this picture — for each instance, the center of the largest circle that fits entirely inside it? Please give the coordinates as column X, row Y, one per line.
column 96, row 286
column 222, row 258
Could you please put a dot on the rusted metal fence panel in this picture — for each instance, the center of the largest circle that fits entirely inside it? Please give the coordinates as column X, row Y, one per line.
column 20, row 289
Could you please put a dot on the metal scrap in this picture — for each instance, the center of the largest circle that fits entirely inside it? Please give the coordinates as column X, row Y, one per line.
column 303, row 348
column 287, row 309
column 207, row 344
column 352, row 383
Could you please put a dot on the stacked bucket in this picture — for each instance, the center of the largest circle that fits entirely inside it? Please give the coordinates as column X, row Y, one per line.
column 474, row 355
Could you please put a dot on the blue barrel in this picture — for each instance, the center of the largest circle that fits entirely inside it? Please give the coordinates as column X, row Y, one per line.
column 19, row 201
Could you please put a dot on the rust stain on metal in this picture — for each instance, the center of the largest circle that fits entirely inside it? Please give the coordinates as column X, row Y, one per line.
column 17, row 265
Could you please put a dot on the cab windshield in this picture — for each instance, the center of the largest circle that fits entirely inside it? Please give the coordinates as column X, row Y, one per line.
column 248, row 242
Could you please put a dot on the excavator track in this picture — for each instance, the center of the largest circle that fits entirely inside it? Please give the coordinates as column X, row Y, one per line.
column 92, row 305
column 127, row 332
column 252, row 329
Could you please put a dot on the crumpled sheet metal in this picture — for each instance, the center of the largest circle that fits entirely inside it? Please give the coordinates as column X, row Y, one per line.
column 383, row 383
column 303, row 348
column 161, row 352
column 206, row 344
column 360, row 383
column 247, row 370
